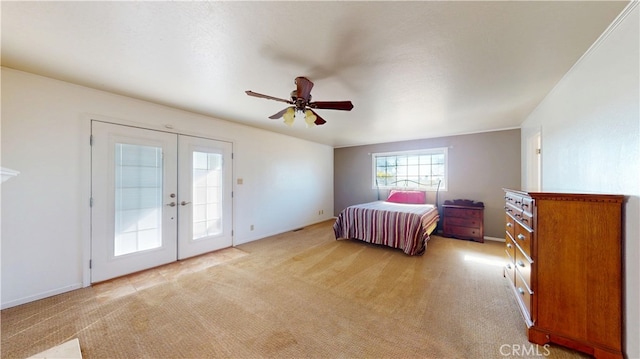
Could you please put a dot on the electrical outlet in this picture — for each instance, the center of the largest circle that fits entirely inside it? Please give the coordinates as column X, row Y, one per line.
column 251, row 227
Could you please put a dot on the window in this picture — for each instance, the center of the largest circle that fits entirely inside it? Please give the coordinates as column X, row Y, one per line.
column 420, row 169
column 207, row 194
column 138, row 198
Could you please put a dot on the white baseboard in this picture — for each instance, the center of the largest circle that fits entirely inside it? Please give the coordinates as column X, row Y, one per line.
column 486, row 238
column 33, row 298
column 237, row 242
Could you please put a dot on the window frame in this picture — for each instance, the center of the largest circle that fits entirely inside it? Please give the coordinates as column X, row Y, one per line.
column 427, row 151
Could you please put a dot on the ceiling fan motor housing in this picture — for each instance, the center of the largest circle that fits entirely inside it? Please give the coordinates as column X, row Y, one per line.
column 300, row 103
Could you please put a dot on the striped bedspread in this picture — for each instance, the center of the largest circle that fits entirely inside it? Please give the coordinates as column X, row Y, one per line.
column 396, row 225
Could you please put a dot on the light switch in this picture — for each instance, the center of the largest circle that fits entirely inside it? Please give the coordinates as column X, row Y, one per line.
column 240, row 181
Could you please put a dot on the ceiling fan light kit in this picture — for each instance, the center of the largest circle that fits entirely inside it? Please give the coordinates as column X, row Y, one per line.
column 302, row 105
column 289, row 116
column 310, row 118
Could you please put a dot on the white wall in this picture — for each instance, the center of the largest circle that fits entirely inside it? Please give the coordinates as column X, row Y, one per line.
column 45, row 213
column 590, row 127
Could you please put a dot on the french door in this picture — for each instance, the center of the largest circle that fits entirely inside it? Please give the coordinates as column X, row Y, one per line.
column 157, row 197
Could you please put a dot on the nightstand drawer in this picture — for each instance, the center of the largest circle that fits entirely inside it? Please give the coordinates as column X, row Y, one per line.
column 463, row 222
column 463, row 212
column 464, row 232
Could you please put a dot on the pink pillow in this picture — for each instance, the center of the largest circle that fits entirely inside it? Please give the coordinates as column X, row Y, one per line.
column 411, row 197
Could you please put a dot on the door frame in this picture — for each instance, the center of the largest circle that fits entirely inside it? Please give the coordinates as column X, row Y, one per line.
column 106, row 264
column 85, row 180
column 533, row 158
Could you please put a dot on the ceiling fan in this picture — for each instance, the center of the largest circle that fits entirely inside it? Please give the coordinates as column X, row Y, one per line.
column 301, row 101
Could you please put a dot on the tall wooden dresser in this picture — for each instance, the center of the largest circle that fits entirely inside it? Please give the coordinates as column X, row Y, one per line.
column 564, row 261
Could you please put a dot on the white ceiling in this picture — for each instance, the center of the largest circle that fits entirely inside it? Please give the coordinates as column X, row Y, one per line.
column 412, row 69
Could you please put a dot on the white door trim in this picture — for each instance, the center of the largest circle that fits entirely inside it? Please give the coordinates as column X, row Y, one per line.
column 145, row 217
column 85, row 120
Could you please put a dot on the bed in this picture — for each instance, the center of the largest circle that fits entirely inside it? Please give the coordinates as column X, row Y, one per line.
column 403, row 221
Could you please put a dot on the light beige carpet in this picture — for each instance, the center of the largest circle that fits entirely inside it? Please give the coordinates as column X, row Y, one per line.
column 296, row 295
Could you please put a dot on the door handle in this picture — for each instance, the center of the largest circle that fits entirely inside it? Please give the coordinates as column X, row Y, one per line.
column 183, row 203
column 172, row 204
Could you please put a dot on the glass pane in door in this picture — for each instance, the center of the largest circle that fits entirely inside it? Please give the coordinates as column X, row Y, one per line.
column 207, row 194
column 138, row 198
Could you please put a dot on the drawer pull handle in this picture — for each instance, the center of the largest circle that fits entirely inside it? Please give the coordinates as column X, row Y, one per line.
column 520, row 290
column 508, row 265
column 521, row 237
column 509, row 225
column 525, row 205
column 521, row 264
column 509, row 245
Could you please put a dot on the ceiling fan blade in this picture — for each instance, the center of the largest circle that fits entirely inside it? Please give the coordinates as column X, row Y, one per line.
column 319, row 120
column 259, row 95
column 332, row 105
column 304, row 86
column 279, row 114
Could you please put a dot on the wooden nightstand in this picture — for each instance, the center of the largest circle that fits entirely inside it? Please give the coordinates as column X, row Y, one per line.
column 464, row 219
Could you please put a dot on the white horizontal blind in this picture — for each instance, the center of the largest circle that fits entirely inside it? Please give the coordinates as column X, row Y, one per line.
column 207, row 194
column 138, row 198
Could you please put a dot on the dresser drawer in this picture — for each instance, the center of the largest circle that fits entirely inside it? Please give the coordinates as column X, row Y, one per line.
column 524, row 295
column 518, row 201
column 510, row 272
column 523, row 267
column 463, row 222
column 510, row 226
column 526, row 218
column 513, row 199
column 523, row 238
column 463, row 212
column 527, row 204
column 510, row 248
